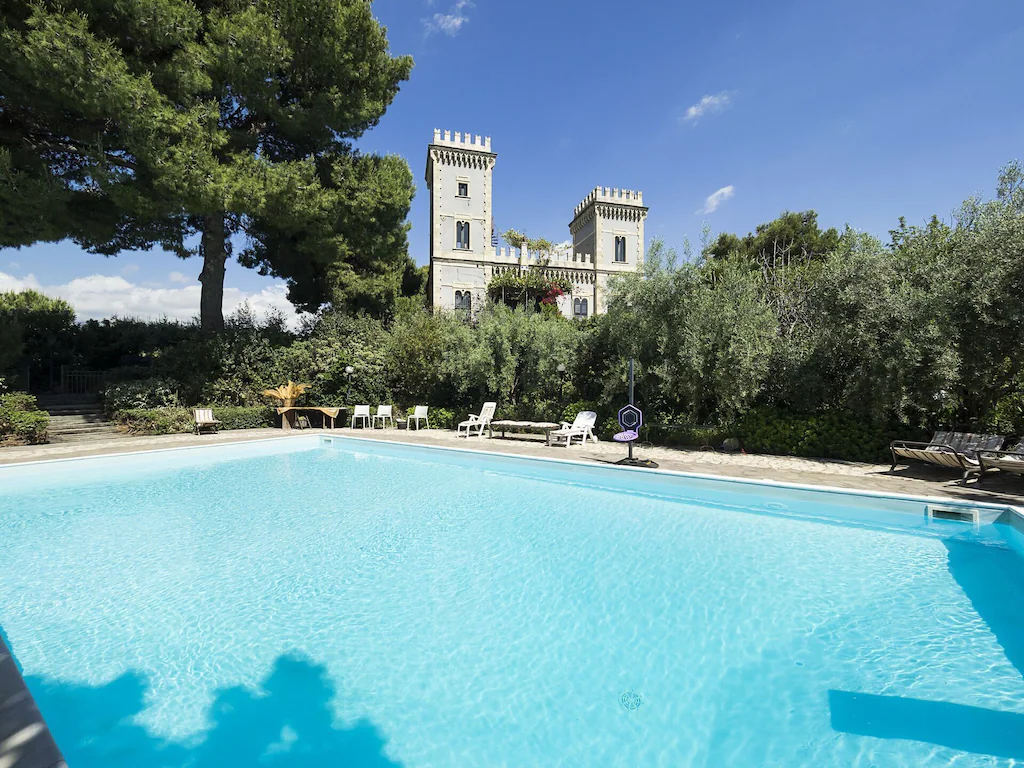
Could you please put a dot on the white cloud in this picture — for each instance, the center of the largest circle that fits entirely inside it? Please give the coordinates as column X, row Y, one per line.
column 99, row 296
column 178, row 277
column 14, row 265
column 708, row 105
column 129, row 269
column 449, row 23
column 716, row 198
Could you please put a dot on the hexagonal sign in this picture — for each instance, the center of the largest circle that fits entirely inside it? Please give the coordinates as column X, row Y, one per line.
column 631, row 418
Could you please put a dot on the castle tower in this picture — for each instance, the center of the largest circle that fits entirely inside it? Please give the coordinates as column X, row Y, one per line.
column 458, row 176
column 609, row 224
column 607, row 234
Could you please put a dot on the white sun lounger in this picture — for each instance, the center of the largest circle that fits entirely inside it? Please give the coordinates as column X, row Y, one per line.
column 581, row 427
column 477, row 422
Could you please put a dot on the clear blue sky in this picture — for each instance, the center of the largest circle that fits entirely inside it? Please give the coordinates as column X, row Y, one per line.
column 862, row 111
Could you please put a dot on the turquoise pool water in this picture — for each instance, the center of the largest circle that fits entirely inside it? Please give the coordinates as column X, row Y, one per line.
column 291, row 603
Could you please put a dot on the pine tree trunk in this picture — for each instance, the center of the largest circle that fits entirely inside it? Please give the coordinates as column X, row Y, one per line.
column 215, row 255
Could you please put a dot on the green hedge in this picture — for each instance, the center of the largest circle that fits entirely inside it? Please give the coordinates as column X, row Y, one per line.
column 165, row 421
column 679, row 432
column 21, row 421
column 139, row 394
column 829, row 435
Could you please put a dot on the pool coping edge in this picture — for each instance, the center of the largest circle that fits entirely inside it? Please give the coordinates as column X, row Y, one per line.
column 1016, row 511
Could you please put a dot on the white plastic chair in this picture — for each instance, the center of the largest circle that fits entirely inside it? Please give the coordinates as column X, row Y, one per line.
column 417, row 415
column 581, row 427
column 361, row 412
column 383, row 413
column 477, row 422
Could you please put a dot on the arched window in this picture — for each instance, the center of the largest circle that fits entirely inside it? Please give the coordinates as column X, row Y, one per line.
column 462, row 234
column 579, row 308
column 463, row 301
column 620, row 249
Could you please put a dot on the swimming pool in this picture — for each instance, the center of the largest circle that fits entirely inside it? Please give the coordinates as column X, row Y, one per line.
column 298, row 601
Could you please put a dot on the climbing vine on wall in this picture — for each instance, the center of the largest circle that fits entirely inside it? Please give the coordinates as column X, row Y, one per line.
column 529, row 287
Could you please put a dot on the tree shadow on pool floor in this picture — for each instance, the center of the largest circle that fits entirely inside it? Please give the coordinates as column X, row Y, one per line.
column 288, row 723
column 993, row 580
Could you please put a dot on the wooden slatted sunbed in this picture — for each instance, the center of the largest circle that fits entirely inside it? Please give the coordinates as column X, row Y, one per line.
column 956, row 450
column 1005, row 461
column 508, row 425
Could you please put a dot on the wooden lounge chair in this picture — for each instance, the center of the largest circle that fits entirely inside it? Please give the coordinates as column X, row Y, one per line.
column 511, row 425
column 1005, row 461
column 581, row 427
column 956, row 450
column 203, row 419
column 477, row 422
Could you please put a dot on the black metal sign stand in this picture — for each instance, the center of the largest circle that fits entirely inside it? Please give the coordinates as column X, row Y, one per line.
column 631, row 419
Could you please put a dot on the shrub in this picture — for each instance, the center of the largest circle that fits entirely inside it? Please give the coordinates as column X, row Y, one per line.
column 21, row 421
column 607, row 428
column 246, row 417
column 444, row 418
column 165, row 421
column 154, row 421
column 153, row 392
column 830, row 435
column 678, row 431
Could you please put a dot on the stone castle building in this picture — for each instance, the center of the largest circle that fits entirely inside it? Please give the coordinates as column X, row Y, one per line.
column 607, row 231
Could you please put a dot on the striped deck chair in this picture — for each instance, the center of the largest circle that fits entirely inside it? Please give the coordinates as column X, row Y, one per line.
column 1005, row 461
column 203, row 419
column 956, row 450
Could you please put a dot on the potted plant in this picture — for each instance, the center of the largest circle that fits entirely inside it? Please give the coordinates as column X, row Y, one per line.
column 287, row 393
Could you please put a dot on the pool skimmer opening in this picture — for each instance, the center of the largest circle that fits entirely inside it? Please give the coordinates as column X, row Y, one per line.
column 956, row 514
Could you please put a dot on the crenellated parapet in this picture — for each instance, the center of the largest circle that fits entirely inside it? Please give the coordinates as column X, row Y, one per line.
column 608, row 203
column 611, row 195
column 527, row 257
column 459, row 151
column 462, row 140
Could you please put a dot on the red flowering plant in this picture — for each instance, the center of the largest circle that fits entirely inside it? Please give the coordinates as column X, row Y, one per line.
column 530, row 288
column 551, row 297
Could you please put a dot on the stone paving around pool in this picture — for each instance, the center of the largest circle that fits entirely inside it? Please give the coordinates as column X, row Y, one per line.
column 915, row 480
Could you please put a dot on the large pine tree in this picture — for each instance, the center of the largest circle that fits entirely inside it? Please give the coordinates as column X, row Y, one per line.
column 139, row 122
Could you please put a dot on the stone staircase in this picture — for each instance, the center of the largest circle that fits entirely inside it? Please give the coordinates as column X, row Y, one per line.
column 76, row 418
